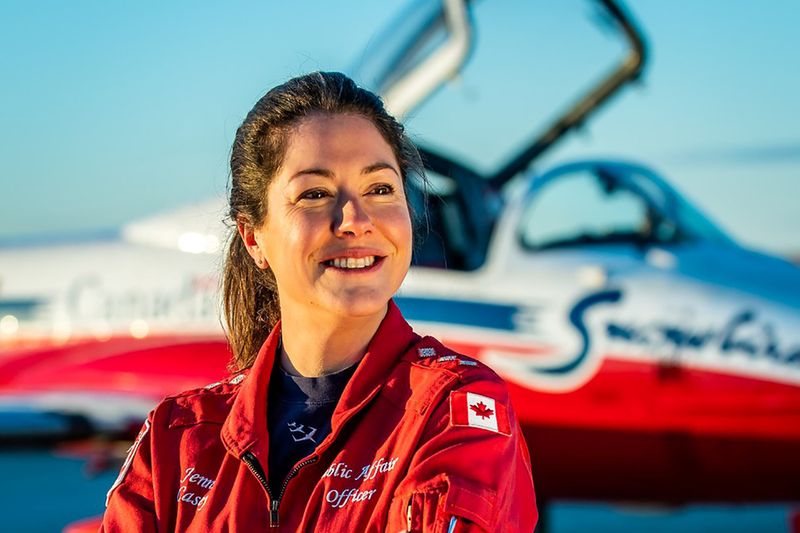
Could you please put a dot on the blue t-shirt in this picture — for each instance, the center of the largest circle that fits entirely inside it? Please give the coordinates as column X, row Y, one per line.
column 299, row 411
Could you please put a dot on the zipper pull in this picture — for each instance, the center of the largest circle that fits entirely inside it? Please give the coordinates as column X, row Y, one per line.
column 408, row 515
column 273, row 514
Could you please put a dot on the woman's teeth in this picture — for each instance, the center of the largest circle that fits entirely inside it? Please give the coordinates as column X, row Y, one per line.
column 352, row 262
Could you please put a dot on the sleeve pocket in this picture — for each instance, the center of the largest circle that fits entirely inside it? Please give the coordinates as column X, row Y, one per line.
column 431, row 508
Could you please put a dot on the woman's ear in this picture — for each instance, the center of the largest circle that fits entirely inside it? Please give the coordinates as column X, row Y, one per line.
column 248, row 235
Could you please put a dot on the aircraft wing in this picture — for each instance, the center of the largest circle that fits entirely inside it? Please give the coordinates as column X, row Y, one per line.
column 91, row 387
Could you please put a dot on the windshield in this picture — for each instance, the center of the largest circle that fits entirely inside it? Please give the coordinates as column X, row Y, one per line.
column 689, row 220
column 580, row 208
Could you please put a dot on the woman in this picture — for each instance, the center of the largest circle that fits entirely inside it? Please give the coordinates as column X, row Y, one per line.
column 341, row 418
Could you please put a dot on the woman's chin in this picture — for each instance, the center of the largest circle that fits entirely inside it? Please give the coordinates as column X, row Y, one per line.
column 358, row 305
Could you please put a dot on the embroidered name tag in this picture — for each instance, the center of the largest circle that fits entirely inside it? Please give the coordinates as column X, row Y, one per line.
column 194, row 487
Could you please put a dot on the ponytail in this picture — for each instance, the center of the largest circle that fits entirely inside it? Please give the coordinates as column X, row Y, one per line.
column 250, row 303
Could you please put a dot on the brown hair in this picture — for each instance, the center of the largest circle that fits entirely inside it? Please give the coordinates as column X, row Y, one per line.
column 250, row 294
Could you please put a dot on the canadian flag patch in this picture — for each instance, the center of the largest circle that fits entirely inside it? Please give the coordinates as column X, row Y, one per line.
column 478, row 411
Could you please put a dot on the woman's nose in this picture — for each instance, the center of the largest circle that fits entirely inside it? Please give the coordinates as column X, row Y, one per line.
column 352, row 219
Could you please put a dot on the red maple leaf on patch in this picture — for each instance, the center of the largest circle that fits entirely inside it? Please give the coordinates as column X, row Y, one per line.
column 481, row 410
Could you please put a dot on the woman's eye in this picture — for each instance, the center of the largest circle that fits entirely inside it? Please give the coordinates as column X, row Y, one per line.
column 382, row 189
column 316, row 194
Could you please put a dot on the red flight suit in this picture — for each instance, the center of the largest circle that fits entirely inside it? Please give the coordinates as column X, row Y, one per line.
column 422, row 439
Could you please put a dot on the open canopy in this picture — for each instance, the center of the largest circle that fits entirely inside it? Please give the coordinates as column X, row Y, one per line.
column 494, row 100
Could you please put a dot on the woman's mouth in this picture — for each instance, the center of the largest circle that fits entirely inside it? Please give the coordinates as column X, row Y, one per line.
column 354, row 264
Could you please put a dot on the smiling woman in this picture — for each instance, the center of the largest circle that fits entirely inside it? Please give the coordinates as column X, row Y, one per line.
column 339, row 417
column 336, row 236
column 288, row 167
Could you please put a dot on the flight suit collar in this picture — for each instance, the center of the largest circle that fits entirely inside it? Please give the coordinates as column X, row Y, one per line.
column 245, row 428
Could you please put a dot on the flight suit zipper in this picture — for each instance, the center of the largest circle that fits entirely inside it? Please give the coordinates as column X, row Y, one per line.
column 255, row 467
column 275, row 503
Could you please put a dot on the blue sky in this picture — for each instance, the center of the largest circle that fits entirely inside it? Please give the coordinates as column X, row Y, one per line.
column 115, row 111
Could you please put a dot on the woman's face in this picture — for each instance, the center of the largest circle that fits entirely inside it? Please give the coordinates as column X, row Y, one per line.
column 337, row 233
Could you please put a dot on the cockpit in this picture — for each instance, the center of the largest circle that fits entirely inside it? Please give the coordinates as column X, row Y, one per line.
column 426, row 61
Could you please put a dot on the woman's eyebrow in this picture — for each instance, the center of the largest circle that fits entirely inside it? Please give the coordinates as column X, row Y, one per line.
column 377, row 167
column 327, row 173
column 324, row 172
